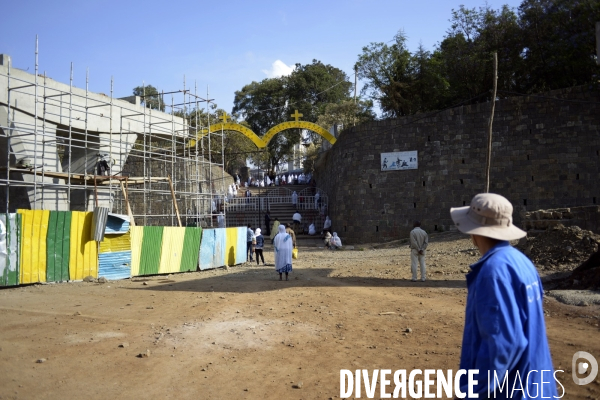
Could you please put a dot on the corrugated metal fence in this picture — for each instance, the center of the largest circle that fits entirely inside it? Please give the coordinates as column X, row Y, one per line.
column 57, row 246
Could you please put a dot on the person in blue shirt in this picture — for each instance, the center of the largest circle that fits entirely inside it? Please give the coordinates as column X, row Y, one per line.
column 249, row 237
column 505, row 332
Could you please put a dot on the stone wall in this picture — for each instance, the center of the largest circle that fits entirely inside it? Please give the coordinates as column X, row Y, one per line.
column 586, row 217
column 546, row 154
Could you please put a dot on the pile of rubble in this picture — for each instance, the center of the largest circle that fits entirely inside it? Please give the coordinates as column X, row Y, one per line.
column 562, row 249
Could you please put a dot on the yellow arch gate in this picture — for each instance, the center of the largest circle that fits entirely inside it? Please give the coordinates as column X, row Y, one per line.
column 262, row 142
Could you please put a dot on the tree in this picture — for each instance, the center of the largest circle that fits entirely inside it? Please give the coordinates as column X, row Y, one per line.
column 309, row 88
column 234, row 146
column 312, row 87
column 467, row 52
column 558, row 43
column 310, row 161
column 151, row 97
column 386, row 71
column 346, row 113
column 264, row 105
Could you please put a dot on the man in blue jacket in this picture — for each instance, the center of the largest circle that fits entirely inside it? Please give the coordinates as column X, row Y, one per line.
column 505, row 333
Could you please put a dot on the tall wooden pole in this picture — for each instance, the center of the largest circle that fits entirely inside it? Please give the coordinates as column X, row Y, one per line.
column 355, row 84
column 489, row 147
column 174, row 200
column 598, row 43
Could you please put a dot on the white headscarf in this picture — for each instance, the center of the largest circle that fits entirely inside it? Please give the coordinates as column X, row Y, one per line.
column 257, row 232
column 283, row 248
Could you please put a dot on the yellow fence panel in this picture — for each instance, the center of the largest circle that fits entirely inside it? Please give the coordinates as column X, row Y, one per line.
column 137, row 236
column 33, row 245
column 172, row 249
column 83, row 258
column 231, row 238
column 112, row 243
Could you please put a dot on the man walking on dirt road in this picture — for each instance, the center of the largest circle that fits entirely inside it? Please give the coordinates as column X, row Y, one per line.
column 505, row 332
column 418, row 244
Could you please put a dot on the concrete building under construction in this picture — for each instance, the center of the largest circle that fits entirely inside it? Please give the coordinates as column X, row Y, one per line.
column 66, row 148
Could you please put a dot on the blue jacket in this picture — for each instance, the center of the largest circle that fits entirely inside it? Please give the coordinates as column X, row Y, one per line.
column 249, row 235
column 260, row 241
column 505, row 328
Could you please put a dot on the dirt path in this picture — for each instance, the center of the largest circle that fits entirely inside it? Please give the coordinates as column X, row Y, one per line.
column 243, row 334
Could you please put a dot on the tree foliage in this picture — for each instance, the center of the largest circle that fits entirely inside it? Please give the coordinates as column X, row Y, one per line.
column 308, row 89
column 544, row 45
column 151, row 97
column 232, row 145
column 346, row 113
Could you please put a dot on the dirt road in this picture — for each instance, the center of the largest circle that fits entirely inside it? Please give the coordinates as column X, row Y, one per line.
column 240, row 333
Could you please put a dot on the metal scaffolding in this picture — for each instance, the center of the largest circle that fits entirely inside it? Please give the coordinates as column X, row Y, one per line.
column 65, row 148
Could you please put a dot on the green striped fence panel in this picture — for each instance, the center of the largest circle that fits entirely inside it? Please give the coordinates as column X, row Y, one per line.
column 151, row 245
column 191, row 249
column 58, row 246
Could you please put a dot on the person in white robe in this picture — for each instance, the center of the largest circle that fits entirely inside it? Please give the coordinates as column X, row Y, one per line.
column 317, row 196
column 312, row 230
column 294, row 199
column 221, row 220
column 336, row 242
column 327, row 225
column 283, row 245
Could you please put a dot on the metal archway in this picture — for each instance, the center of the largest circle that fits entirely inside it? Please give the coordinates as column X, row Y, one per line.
column 262, row 142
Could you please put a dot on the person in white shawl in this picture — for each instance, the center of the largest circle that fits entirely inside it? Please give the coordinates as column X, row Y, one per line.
column 283, row 245
column 327, row 225
column 336, row 242
column 294, row 199
column 221, row 220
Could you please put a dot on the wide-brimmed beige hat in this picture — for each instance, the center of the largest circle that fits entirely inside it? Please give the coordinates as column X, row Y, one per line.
column 488, row 215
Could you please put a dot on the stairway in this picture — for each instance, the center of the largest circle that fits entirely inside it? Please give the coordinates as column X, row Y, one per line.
column 277, row 199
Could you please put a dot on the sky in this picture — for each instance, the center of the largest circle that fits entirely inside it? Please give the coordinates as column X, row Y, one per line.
column 219, row 46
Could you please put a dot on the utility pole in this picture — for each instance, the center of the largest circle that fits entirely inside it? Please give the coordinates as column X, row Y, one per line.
column 598, row 43
column 356, row 73
column 355, row 84
column 489, row 147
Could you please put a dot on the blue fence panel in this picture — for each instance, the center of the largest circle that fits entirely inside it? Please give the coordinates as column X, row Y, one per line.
column 115, row 265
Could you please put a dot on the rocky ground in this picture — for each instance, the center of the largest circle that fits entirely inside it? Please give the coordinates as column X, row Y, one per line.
column 241, row 333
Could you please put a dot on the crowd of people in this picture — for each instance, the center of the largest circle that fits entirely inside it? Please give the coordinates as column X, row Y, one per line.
column 277, row 180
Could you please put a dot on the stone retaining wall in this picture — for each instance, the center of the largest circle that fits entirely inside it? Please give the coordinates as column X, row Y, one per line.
column 587, row 218
column 546, row 154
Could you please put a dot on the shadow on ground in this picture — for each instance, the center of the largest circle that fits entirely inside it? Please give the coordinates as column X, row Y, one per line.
column 254, row 280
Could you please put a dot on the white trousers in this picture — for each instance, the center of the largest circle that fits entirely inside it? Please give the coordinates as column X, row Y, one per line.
column 416, row 258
